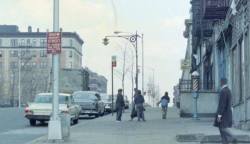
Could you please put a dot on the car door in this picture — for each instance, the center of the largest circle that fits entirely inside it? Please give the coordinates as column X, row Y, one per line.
column 75, row 108
column 100, row 102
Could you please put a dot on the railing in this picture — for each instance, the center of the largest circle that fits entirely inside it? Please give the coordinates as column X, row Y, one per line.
column 215, row 9
column 186, row 86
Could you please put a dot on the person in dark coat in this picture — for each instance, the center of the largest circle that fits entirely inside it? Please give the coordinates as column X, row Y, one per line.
column 133, row 111
column 139, row 101
column 120, row 104
column 223, row 119
column 164, row 105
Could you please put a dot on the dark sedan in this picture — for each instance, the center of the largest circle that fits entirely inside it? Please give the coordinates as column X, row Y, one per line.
column 90, row 102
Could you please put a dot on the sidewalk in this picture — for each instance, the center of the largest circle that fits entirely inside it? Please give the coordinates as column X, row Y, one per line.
column 106, row 130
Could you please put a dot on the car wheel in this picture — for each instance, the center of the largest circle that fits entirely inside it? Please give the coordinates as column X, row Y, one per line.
column 71, row 121
column 96, row 115
column 32, row 122
column 75, row 121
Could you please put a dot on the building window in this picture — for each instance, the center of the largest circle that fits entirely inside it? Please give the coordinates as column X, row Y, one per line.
column 13, row 65
column 33, row 64
column 14, row 53
column 28, row 42
column 70, row 54
column 34, row 43
column 22, row 42
column 13, row 42
column 43, row 53
column 1, row 54
column 71, row 65
column 43, row 42
column 71, row 42
column 43, row 65
column 0, row 42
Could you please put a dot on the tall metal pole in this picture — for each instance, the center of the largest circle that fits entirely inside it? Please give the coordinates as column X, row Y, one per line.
column 19, row 79
column 136, row 57
column 142, row 46
column 112, row 87
column 55, row 127
column 55, row 58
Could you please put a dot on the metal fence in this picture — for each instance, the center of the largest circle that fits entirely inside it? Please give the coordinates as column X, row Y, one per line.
column 186, row 85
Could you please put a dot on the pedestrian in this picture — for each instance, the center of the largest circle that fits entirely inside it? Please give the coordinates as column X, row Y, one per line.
column 139, row 101
column 120, row 104
column 133, row 111
column 164, row 105
column 223, row 119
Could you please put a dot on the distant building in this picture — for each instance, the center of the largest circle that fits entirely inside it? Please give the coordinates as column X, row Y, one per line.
column 25, row 53
column 97, row 82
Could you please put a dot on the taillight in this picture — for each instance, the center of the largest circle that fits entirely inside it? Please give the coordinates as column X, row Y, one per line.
column 28, row 111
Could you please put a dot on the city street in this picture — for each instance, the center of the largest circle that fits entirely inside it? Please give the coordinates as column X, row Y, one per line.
column 106, row 130
column 15, row 128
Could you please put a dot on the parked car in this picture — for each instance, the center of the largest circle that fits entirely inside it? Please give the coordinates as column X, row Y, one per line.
column 41, row 108
column 90, row 102
column 107, row 102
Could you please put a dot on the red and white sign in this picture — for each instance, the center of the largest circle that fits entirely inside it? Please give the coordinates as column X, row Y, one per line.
column 54, row 42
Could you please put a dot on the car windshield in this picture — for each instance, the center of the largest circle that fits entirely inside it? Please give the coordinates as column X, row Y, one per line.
column 84, row 96
column 48, row 99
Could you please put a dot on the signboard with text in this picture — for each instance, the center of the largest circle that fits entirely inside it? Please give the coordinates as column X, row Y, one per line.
column 54, row 42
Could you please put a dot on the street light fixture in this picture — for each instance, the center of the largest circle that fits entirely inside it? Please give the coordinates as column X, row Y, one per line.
column 133, row 39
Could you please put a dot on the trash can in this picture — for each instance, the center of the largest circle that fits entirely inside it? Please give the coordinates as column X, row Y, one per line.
column 65, row 122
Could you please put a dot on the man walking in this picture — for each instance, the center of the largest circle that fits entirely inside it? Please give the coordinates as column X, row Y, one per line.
column 164, row 105
column 139, row 101
column 120, row 104
column 223, row 119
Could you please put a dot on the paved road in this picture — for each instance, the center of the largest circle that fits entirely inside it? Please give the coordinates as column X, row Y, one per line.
column 15, row 129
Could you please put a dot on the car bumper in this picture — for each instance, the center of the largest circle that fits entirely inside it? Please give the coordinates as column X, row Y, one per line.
column 89, row 112
column 38, row 117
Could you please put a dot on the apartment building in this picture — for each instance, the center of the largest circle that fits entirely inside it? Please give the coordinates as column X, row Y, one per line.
column 25, row 66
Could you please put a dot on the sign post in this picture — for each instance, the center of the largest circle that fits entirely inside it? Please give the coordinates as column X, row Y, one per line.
column 54, row 48
column 113, row 64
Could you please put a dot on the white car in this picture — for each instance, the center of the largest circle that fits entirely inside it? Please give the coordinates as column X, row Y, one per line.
column 41, row 108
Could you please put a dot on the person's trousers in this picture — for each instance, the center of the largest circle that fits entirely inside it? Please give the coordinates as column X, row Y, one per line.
column 140, row 112
column 119, row 113
column 226, row 135
column 164, row 112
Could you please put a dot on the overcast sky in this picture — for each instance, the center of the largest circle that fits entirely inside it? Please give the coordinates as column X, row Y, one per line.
column 161, row 22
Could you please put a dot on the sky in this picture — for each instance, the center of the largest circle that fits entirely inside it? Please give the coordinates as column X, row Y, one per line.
column 161, row 22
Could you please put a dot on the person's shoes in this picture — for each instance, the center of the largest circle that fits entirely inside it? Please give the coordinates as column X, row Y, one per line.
column 118, row 120
column 138, row 120
column 144, row 120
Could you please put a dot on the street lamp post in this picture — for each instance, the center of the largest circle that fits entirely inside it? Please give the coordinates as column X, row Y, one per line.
column 133, row 39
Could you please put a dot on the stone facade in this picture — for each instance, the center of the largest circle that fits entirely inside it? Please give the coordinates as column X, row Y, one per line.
column 225, row 53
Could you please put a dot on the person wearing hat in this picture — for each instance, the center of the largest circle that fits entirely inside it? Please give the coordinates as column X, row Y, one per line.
column 120, row 104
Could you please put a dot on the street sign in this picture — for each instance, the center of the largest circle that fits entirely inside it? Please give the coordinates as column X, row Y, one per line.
column 113, row 61
column 185, row 64
column 54, row 42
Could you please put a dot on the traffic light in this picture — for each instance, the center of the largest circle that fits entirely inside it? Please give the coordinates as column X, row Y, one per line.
column 105, row 41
